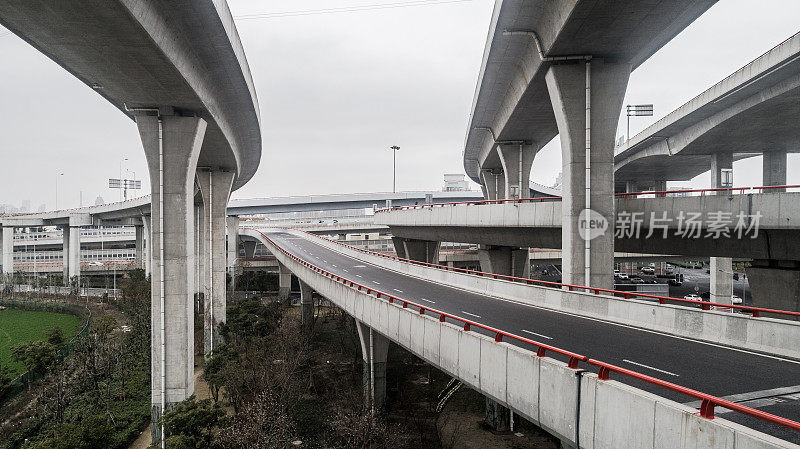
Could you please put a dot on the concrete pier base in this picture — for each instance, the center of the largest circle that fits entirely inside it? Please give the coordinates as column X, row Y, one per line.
column 505, row 260
column 419, row 250
column 775, row 284
column 566, row 84
column 284, row 282
column 306, row 306
column 215, row 186
column 721, row 270
column 172, row 160
column 497, row 416
column 374, row 351
column 73, row 254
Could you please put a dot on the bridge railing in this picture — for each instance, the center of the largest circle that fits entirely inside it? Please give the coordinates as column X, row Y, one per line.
column 655, row 193
column 705, row 305
column 708, row 402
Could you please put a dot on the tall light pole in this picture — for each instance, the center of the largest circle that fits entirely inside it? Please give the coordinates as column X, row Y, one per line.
column 120, row 176
column 394, row 149
column 57, row 176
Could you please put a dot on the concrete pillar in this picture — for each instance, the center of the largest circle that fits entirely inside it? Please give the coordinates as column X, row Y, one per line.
column 566, row 84
column 497, row 416
column 306, row 305
column 74, row 252
column 720, row 268
column 249, row 249
column 215, row 186
column 139, row 230
column 720, row 162
column 659, row 186
column 201, row 246
column 419, row 250
column 517, row 160
column 505, row 260
column 775, row 285
column 494, row 184
column 232, row 225
column 65, row 239
column 632, row 187
column 173, row 161
column 374, row 351
column 148, row 253
column 284, row 282
column 774, row 167
column 8, row 250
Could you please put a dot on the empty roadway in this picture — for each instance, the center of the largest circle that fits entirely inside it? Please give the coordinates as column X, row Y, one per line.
column 705, row 367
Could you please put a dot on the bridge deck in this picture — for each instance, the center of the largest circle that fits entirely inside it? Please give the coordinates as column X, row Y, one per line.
column 706, row 367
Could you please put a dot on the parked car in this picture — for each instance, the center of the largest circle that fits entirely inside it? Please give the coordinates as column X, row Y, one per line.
column 693, row 297
column 736, row 300
column 636, row 280
column 648, row 270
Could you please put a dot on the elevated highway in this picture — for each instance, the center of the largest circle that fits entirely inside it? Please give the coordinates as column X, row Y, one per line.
column 178, row 69
column 487, row 332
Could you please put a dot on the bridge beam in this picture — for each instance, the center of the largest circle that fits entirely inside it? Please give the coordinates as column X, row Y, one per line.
column 567, row 85
column 284, row 282
column 172, row 147
column 419, row 250
column 215, row 186
column 306, row 305
column 374, row 352
column 774, row 169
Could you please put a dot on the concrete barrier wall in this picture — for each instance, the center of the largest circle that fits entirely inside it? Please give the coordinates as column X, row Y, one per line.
column 769, row 335
column 542, row 390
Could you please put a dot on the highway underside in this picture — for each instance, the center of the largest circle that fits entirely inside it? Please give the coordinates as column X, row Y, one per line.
column 769, row 383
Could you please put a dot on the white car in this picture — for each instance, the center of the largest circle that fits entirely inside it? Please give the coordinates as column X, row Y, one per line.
column 693, row 297
column 736, row 300
column 648, row 270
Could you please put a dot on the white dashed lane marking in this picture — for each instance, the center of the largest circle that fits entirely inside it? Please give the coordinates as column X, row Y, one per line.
column 470, row 314
column 538, row 335
column 649, row 367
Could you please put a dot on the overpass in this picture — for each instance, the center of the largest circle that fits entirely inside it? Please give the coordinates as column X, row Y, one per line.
column 179, row 71
column 751, row 112
column 562, row 67
column 548, row 353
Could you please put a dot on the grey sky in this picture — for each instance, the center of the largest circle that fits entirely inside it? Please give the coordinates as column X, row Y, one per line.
column 336, row 90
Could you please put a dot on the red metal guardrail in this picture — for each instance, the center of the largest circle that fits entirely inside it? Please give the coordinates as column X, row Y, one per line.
column 708, row 402
column 705, row 305
column 657, row 193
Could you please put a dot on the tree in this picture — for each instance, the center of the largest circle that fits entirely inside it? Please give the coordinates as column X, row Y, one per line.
column 7, row 376
column 55, row 336
column 192, row 423
column 37, row 356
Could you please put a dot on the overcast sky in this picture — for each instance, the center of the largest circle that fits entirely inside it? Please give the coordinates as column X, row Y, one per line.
column 337, row 89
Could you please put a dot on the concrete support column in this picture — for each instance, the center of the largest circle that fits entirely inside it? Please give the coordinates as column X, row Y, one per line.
column 232, row 225
column 201, row 247
column 493, row 184
column 65, row 239
column 284, row 282
column 567, row 85
column 172, row 147
column 139, row 230
column 505, row 260
column 632, row 187
column 497, row 416
column 148, row 253
column 8, row 250
column 659, row 186
column 74, row 252
column 720, row 268
column 419, row 250
column 774, row 167
column 249, row 249
column 306, row 305
column 775, row 284
column 374, row 351
column 215, row 186
column 517, row 160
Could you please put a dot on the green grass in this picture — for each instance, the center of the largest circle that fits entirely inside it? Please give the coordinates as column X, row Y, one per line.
column 19, row 326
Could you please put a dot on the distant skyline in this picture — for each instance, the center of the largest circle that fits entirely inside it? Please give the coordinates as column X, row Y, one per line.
column 336, row 90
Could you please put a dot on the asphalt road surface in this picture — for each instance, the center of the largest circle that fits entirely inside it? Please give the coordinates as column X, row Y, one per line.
column 705, row 367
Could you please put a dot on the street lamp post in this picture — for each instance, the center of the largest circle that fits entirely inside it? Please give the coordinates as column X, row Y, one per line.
column 57, row 176
column 394, row 149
